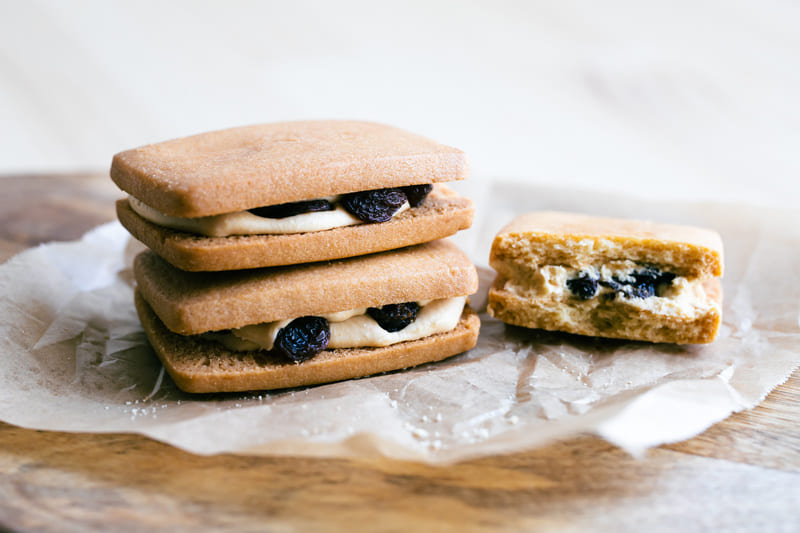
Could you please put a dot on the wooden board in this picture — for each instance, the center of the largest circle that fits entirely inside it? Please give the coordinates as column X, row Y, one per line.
column 743, row 474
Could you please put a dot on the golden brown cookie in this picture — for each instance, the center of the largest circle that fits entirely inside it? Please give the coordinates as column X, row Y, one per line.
column 269, row 164
column 441, row 214
column 550, row 237
column 608, row 277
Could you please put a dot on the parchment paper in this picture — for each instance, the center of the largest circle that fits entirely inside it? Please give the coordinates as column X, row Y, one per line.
column 74, row 358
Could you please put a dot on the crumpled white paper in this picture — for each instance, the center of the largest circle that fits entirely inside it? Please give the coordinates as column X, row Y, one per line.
column 73, row 356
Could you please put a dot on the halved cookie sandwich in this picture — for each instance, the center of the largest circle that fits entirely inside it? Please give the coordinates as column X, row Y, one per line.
column 608, row 277
column 307, row 324
column 289, row 193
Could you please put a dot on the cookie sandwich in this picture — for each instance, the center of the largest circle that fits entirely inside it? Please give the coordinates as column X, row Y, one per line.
column 608, row 277
column 289, row 193
column 307, row 324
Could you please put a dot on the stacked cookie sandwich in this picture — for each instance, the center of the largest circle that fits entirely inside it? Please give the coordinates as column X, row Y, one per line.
column 297, row 253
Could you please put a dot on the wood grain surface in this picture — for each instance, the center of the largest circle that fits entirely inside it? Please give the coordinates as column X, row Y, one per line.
column 741, row 475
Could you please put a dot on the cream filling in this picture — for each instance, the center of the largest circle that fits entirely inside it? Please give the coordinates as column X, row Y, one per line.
column 353, row 328
column 246, row 223
column 684, row 297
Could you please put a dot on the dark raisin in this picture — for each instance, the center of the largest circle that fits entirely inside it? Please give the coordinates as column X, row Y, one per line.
column 292, row 209
column 394, row 317
column 628, row 288
column 646, row 275
column 653, row 275
column 650, row 279
column 374, row 206
column 417, row 193
column 640, row 290
column 665, row 278
column 584, row 286
column 303, row 338
column 641, row 283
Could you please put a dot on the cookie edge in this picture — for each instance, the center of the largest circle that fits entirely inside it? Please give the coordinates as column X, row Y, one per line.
column 696, row 251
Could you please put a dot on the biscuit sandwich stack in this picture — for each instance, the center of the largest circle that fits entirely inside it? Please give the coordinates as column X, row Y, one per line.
column 297, row 253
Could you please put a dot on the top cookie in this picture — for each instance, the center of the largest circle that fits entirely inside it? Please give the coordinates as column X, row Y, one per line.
column 544, row 238
column 268, row 164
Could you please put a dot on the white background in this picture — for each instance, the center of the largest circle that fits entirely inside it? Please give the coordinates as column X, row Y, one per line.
column 680, row 99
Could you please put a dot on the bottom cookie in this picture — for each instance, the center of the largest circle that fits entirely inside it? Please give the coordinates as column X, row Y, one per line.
column 614, row 316
column 198, row 365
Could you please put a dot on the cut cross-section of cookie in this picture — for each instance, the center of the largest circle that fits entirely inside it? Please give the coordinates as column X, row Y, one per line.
column 608, row 277
column 248, row 197
column 316, row 315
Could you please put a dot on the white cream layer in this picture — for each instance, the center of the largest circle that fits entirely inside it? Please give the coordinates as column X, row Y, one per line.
column 353, row 328
column 246, row 223
column 683, row 297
